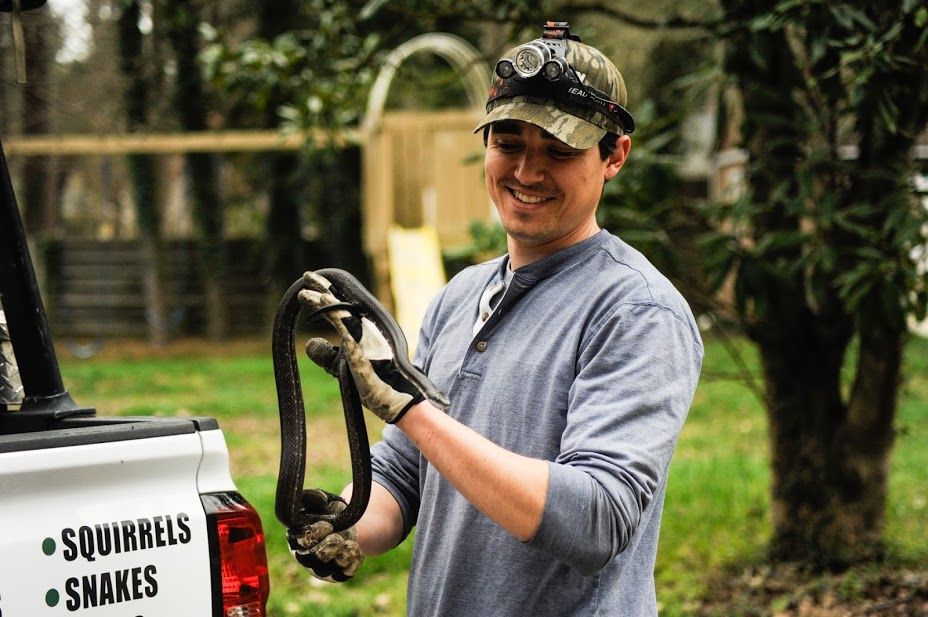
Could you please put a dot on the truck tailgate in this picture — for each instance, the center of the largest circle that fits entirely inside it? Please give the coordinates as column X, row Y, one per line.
column 104, row 528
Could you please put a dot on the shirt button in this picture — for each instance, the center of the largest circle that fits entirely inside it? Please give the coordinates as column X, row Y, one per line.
column 484, row 316
column 481, row 346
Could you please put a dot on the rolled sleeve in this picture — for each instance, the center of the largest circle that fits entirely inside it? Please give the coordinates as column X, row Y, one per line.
column 636, row 376
column 395, row 466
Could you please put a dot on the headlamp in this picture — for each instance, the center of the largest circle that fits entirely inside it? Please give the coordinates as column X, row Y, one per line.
column 505, row 69
column 554, row 68
column 539, row 69
column 529, row 59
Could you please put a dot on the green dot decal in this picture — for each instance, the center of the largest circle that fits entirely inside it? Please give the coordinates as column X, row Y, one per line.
column 51, row 597
column 48, row 546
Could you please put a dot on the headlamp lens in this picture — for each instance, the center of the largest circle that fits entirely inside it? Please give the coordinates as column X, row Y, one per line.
column 553, row 69
column 528, row 61
column 505, row 69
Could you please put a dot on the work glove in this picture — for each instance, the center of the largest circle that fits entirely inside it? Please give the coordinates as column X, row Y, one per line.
column 331, row 556
column 382, row 386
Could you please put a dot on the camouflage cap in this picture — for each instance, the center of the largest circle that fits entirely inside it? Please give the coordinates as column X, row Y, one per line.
column 576, row 126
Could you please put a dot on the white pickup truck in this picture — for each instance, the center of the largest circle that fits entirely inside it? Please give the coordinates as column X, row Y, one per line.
column 108, row 516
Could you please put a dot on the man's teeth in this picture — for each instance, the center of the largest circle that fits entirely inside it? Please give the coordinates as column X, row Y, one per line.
column 529, row 199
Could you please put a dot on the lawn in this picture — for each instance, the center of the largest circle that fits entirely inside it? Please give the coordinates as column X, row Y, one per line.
column 717, row 507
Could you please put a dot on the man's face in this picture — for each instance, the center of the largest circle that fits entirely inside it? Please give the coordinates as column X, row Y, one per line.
column 545, row 191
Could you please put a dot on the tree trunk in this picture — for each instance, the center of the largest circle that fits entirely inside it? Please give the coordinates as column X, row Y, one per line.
column 830, row 460
column 829, row 454
column 190, row 102
column 285, row 258
column 207, row 212
column 142, row 174
column 40, row 215
column 338, row 201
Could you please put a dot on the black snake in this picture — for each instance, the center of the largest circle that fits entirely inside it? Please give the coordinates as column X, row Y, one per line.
column 356, row 299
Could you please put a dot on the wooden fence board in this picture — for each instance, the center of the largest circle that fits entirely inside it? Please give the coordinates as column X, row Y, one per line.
column 95, row 288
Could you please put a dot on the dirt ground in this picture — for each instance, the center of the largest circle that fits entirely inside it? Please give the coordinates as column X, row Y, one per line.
column 784, row 590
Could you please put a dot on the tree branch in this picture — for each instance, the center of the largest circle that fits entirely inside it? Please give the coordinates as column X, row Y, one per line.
column 674, row 22
column 744, row 373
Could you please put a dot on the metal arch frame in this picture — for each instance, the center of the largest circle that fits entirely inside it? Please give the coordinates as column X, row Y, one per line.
column 461, row 55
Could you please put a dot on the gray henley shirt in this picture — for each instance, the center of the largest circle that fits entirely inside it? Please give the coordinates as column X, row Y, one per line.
column 589, row 362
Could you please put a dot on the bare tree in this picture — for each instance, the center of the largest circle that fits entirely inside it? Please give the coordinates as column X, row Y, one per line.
column 142, row 170
column 182, row 21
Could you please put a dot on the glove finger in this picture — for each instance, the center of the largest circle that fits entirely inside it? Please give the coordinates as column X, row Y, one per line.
column 350, row 558
column 314, row 500
column 324, row 354
column 313, row 535
column 334, row 507
column 327, row 571
column 329, row 547
column 343, row 552
column 316, row 282
column 316, row 299
column 344, row 322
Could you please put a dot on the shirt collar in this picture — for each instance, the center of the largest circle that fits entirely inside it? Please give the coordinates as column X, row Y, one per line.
column 528, row 275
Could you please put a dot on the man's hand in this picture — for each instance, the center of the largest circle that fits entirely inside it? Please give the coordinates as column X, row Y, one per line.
column 333, row 557
column 381, row 386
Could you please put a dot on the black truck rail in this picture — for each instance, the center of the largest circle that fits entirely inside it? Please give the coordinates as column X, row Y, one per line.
column 44, row 394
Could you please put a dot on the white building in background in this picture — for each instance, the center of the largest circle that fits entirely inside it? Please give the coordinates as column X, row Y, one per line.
column 920, row 253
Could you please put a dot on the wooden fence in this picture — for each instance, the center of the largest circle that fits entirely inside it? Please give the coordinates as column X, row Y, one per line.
column 94, row 288
column 421, row 169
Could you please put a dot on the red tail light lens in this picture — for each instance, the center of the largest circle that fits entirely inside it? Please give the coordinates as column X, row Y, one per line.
column 237, row 555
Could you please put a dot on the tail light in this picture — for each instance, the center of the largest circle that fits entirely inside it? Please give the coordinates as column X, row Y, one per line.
column 238, row 559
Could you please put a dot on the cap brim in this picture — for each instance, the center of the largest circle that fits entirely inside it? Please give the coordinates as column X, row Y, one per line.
column 573, row 131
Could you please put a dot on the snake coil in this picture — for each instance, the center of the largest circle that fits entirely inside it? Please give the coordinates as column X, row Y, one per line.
column 288, row 502
column 362, row 303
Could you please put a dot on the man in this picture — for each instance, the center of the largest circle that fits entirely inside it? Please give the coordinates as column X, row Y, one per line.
column 570, row 365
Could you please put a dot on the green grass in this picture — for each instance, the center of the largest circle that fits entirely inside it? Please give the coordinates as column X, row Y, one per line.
column 717, row 507
column 215, row 386
column 907, row 515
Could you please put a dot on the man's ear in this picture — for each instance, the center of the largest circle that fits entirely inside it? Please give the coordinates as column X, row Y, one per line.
column 617, row 157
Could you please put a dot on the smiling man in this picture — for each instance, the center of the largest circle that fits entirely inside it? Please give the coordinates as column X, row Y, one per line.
column 570, row 364
column 546, row 191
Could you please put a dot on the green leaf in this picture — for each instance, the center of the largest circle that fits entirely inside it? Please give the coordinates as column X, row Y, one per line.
column 887, row 110
column 829, row 258
column 860, row 18
column 819, row 47
column 924, row 36
column 756, row 55
column 857, row 286
column 893, row 32
column 778, row 242
column 869, row 253
column 762, row 22
column 842, row 16
column 370, row 9
column 921, row 16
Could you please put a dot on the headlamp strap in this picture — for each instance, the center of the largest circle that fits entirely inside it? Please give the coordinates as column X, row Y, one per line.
column 567, row 92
